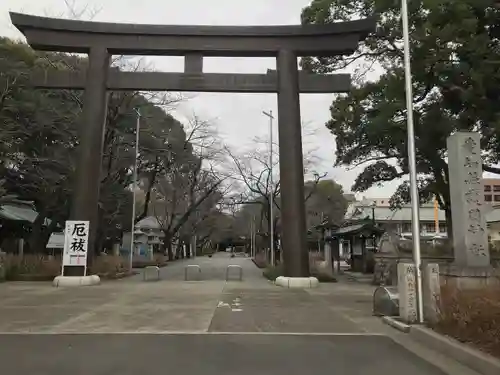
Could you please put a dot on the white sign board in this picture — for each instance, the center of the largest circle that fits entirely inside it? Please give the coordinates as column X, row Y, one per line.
column 76, row 239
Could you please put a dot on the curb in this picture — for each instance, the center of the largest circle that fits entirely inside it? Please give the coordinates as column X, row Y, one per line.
column 400, row 326
column 470, row 357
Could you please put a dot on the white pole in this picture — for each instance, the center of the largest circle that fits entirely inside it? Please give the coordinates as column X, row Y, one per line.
column 134, row 187
column 412, row 162
column 271, row 192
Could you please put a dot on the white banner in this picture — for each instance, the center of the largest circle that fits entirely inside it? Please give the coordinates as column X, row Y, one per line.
column 76, row 241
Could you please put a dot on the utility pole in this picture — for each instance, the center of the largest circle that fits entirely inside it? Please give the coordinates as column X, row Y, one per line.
column 254, row 235
column 251, row 238
column 134, row 186
column 271, row 190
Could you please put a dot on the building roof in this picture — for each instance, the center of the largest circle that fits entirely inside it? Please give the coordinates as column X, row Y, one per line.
column 19, row 212
column 493, row 215
column 364, row 209
column 367, row 226
column 150, row 222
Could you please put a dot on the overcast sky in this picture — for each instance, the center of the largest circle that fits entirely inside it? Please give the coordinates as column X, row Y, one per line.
column 238, row 116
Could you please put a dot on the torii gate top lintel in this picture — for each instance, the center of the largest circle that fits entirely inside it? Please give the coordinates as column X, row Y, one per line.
column 55, row 34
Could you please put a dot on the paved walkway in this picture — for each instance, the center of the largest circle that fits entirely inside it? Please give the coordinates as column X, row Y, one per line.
column 202, row 327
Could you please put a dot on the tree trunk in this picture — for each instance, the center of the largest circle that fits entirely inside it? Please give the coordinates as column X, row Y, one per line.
column 147, row 198
column 187, row 243
column 449, row 224
column 277, row 249
column 45, row 235
column 35, row 238
column 167, row 243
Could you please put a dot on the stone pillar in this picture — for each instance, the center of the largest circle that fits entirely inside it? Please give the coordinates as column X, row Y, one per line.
column 431, row 291
column 116, row 249
column 295, row 256
column 407, row 292
column 472, row 267
column 91, row 136
column 20, row 247
column 470, row 239
column 328, row 255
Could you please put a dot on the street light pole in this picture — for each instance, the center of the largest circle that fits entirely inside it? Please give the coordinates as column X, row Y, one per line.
column 134, row 186
column 271, row 193
column 412, row 162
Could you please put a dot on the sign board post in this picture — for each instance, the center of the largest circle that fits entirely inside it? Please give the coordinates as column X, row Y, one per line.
column 76, row 240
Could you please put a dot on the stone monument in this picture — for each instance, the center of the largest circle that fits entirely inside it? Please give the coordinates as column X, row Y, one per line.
column 471, row 267
column 407, row 293
column 431, row 292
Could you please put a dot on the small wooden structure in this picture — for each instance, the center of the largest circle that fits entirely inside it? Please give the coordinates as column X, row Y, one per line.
column 356, row 243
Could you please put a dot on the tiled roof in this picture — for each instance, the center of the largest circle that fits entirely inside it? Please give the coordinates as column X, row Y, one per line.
column 21, row 212
column 150, row 222
column 359, row 210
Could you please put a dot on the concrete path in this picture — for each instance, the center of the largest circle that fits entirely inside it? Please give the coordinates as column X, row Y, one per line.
column 203, row 327
column 211, row 268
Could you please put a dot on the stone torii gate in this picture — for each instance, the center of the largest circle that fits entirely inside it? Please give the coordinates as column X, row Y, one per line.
column 286, row 43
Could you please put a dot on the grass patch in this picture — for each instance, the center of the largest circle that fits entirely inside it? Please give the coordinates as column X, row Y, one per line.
column 30, row 267
column 471, row 316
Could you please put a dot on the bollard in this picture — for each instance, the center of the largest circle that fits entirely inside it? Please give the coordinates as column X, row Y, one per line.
column 236, row 267
column 194, row 266
column 154, row 269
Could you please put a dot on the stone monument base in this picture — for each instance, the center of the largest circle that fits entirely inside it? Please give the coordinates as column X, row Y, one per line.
column 297, row 282
column 468, row 277
column 72, row 281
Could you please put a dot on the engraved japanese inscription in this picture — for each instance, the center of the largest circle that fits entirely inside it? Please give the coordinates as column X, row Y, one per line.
column 407, row 292
column 467, row 201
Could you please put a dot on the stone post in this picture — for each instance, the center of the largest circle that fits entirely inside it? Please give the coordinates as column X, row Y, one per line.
column 328, row 257
column 472, row 266
column 431, row 290
column 407, row 292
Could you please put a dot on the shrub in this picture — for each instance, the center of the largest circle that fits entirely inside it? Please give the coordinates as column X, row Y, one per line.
column 471, row 316
column 272, row 273
column 260, row 260
column 111, row 267
column 324, row 278
column 108, row 265
column 159, row 260
column 30, row 267
column 319, row 272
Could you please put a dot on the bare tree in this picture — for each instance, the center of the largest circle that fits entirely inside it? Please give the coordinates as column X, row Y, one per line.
column 253, row 172
column 190, row 186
